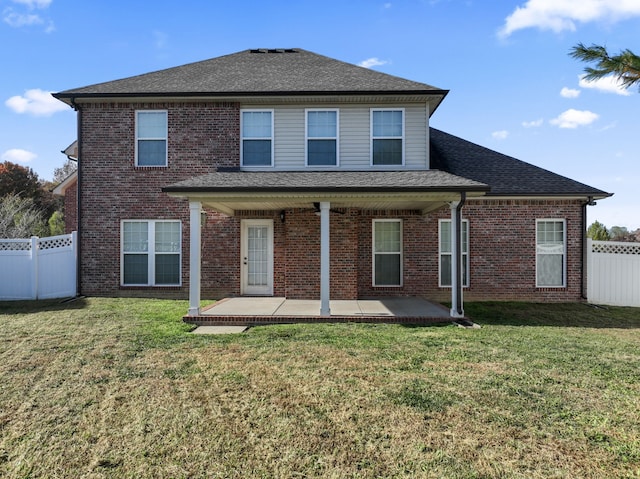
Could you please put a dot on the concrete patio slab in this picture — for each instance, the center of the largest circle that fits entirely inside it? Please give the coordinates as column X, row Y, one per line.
column 245, row 307
column 282, row 307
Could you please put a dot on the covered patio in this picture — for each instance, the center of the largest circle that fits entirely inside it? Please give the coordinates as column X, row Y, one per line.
column 276, row 310
column 232, row 192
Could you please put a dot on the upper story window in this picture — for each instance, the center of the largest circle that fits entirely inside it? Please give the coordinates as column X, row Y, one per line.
column 257, row 137
column 551, row 246
column 387, row 137
column 322, row 137
column 151, row 138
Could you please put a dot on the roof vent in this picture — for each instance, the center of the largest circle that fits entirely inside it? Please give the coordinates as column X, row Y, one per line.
column 274, row 50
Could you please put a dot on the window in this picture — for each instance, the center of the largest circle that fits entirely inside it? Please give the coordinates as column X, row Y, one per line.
column 387, row 137
column 322, row 137
column 387, row 252
column 151, row 252
column 257, row 137
column 151, row 138
column 446, row 252
column 550, row 253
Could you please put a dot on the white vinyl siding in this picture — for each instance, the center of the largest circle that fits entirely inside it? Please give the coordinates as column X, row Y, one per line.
column 151, row 253
column 446, row 253
column 551, row 253
column 354, row 138
column 151, row 138
column 387, row 252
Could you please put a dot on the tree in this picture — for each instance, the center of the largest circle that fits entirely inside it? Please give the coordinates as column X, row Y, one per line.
column 61, row 174
column 625, row 66
column 20, row 218
column 16, row 179
column 598, row 232
column 621, row 233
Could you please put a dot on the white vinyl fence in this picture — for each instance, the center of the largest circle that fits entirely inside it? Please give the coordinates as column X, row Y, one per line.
column 613, row 273
column 38, row 268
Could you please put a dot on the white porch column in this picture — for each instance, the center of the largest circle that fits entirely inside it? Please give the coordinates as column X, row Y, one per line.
column 195, row 209
column 325, row 310
column 457, row 310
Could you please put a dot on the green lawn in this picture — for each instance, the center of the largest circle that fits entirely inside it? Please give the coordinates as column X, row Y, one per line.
column 118, row 388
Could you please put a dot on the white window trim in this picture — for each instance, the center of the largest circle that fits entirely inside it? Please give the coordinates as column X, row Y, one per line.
column 151, row 253
column 441, row 253
column 166, row 139
column 564, row 252
column 371, row 137
column 272, row 137
column 373, row 252
column 307, row 137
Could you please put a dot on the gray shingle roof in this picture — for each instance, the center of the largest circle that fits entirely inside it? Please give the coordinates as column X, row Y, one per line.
column 506, row 175
column 257, row 72
column 327, row 181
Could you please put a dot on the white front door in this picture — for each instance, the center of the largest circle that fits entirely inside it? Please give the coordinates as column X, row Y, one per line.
column 257, row 257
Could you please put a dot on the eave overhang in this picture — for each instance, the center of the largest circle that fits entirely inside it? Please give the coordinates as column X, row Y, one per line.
column 433, row 97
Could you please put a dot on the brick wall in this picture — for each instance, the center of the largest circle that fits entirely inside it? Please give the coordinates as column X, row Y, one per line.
column 201, row 136
column 71, row 208
column 503, row 254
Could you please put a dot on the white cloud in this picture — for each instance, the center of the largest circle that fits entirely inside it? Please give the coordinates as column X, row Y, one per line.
column 36, row 102
column 608, row 84
column 500, row 135
column 34, row 3
column 569, row 92
column 18, row 20
column 533, row 124
column 372, row 62
column 26, row 17
column 574, row 118
column 560, row 15
column 16, row 155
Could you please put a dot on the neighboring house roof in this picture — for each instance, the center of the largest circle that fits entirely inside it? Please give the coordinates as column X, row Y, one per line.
column 71, row 151
column 65, row 184
column 327, row 181
column 258, row 72
column 506, row 175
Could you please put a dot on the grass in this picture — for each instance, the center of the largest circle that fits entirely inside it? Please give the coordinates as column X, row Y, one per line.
column 117, row 388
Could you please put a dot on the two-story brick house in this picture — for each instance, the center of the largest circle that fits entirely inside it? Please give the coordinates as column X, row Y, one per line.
column 287, row 173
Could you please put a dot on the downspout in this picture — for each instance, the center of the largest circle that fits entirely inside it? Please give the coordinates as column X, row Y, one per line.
column 458, row 306
column 583, row 245
column 78, row 199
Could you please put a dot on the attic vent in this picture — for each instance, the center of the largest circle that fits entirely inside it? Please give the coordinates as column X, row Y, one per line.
column 274, row 50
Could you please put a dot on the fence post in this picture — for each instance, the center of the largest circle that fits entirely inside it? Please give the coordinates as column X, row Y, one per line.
column 74, row 242
column 34, row 267
column 589, row 267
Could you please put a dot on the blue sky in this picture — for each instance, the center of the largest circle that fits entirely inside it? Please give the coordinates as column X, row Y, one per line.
column 513, row 87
